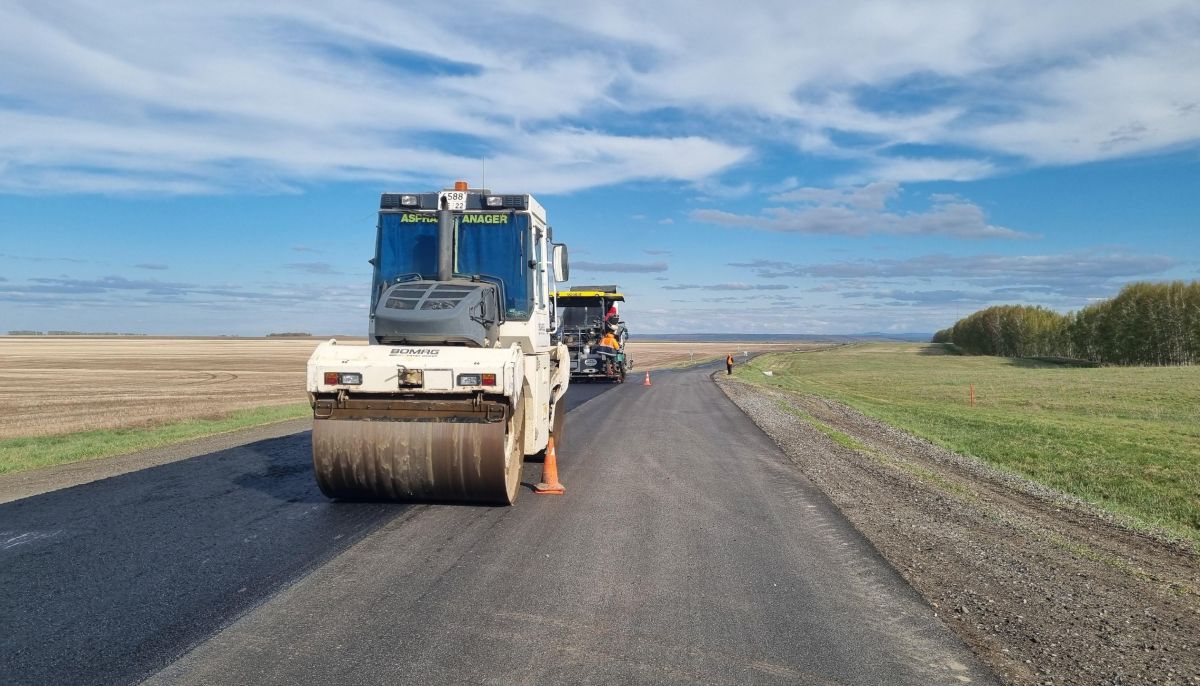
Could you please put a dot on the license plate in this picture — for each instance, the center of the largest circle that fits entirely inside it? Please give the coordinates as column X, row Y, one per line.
column 455, row 200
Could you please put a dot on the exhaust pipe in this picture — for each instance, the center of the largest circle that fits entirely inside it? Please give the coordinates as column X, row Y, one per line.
column 445, row 269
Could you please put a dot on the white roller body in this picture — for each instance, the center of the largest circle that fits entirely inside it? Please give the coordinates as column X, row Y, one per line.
column 380, row 366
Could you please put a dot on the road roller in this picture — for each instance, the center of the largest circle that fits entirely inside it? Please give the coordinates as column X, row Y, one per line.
column 463, row 372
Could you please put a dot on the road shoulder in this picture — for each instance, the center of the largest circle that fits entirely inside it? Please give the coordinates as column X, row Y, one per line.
column 47, row 479
column 1041, row 590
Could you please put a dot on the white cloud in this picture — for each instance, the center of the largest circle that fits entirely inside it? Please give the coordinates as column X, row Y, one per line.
column 1142, row 99
column 227, row 95
column 1020, row 76
column 872, row 196
column 915, row 170
column 861, row 211
column 185, row 160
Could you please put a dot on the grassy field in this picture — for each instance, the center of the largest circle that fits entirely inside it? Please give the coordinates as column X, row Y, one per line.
column 1124, row 438
column 20, row 454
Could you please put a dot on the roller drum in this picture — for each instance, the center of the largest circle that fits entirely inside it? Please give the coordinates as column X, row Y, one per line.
column 456, row 459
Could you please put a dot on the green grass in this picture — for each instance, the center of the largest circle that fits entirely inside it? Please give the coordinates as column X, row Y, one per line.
column 1124, row 438
column 847, row 441
column 20, row 454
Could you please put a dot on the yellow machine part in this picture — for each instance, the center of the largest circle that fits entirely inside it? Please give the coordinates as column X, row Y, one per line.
column 567, row 295
column 419, row 451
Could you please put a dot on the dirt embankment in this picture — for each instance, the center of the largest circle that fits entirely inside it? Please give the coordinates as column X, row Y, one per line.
column 1044, row 589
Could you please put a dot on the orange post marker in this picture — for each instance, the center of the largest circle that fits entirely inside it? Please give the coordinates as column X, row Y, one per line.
column 972, row 392
column 647, row 381
column 550, row 484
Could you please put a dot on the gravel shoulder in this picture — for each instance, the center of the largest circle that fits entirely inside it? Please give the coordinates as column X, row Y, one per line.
column 1043, row 588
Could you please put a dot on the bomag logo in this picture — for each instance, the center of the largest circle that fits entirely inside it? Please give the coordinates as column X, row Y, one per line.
column 490, row 218
column 415, row 352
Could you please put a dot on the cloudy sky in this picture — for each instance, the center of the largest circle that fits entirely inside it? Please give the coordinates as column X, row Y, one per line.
column 791, row 167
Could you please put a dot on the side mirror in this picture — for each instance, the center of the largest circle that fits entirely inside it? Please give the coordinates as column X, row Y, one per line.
column 562, row 268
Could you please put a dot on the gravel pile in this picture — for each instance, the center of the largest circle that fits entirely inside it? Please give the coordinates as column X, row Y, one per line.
column 1044, row 588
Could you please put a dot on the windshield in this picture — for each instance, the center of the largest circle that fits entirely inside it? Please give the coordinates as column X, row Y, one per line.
column 407, row 245
column 580, row 312
column 489, row 244
column 494, row 245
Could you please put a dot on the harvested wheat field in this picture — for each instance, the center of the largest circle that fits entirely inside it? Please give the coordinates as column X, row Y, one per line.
column 52, row 385
column 55, row 385
column 658, row 354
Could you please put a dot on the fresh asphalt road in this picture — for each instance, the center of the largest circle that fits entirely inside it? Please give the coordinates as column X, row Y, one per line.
column 107, row 582
column 687, row 549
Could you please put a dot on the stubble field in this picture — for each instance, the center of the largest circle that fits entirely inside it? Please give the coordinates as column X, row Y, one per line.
column 63, row 385
column 649, row 355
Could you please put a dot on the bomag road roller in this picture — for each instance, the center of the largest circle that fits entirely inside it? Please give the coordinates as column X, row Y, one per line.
column 587, row 314
column 462, row 376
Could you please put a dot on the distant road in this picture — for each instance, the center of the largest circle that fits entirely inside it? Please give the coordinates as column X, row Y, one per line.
column 687, row 549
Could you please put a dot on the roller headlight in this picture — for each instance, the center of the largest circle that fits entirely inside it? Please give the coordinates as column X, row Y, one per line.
column 343, row 378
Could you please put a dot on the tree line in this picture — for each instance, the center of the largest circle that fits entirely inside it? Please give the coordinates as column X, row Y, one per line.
column 1145, row 324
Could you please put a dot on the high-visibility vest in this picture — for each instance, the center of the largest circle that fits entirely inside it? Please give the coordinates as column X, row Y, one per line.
column 729, row 359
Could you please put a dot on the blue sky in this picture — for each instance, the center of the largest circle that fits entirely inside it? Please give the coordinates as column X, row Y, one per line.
column 791, row 167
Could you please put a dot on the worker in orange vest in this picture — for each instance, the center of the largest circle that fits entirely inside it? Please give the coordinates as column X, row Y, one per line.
column 729, row 364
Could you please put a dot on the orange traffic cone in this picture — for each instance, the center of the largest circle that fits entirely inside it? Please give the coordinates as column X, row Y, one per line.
column 550, row 484
column 647, row 381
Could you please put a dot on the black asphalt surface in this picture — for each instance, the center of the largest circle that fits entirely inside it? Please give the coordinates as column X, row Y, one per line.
column 107, row 582
column 687, row 549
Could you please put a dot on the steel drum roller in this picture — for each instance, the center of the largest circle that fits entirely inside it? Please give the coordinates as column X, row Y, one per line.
column 457, row 458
